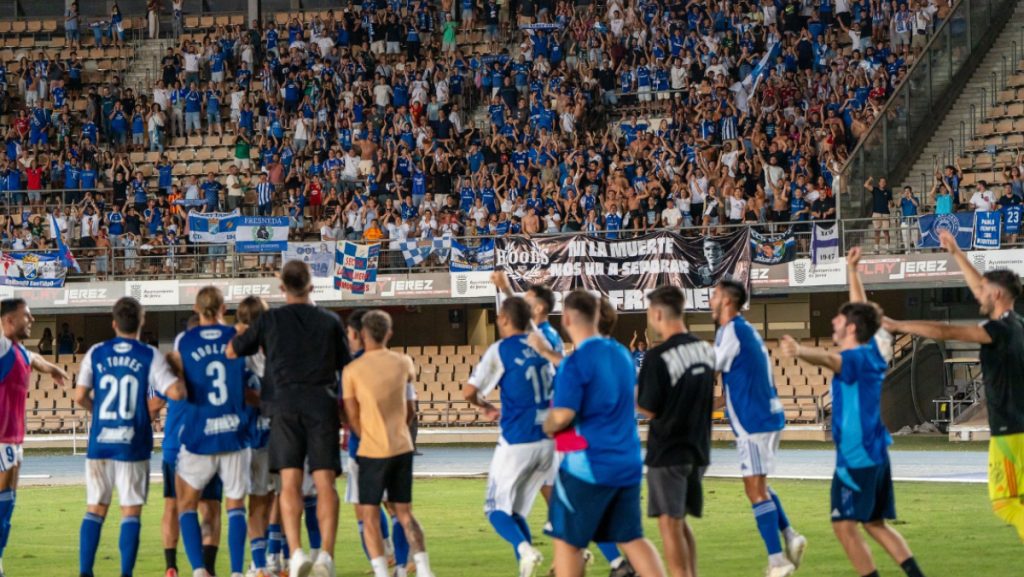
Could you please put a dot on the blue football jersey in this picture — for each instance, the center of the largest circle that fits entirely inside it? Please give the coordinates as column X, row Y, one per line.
column 123, row 374
column 257, row 426
column 525, row 379
column 214, row 420
column 598, row 382
column 860, row 436
column 553, row 337
column 751, row 401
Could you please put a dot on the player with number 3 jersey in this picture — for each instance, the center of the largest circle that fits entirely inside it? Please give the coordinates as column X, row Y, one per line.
column 213, row 438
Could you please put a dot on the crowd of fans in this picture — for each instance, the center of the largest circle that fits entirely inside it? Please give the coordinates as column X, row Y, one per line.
column 394, row 120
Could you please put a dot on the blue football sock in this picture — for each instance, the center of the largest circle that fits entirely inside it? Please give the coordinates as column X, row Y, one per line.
column 783, row 520
column 129, row 544
column 401, row 544
column 312, row 523
column 284, row 549
column 507, row 529
column 385, row 524
column 523, row 526
column 767, row 517
column 610, row 551
column 192, row 536
column 88, row 542
column 259, row 552
column 7, row 500
column 274, row 539
column 237, row 533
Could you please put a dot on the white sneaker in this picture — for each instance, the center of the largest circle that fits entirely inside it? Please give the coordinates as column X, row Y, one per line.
column 299, row 565
column 529, row 560
column 781, row 570
column 324, row 566
column 273, row 564
column 795, row 548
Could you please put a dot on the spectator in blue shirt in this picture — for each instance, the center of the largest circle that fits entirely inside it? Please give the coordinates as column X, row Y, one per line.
column 211, row 189
column 908, row 218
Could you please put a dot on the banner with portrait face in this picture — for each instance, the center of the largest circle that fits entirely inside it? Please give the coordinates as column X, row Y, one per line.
column 625, row 270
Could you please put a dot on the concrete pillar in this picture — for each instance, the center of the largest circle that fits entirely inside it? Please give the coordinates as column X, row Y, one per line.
column 480, row 331
column 253, row 11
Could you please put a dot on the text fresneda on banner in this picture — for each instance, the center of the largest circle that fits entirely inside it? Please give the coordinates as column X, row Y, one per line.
column 625, row 270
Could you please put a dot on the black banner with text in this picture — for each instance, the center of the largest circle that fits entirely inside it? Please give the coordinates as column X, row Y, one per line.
column 626, row 270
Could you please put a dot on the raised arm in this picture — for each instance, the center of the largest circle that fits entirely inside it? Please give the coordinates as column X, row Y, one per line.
column 971, row 274
column 857, row 293
column 939, row 331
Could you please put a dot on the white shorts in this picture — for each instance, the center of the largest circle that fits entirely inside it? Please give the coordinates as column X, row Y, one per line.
column 233, row 468
column 10, row 456
column 645, row 93
column 260, row 483
column 757, row 453
column 559, row 457
column 517, row 474
column 130, row 477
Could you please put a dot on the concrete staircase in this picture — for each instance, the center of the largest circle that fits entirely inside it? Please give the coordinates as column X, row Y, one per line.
column 145, row 69
column 948, row 141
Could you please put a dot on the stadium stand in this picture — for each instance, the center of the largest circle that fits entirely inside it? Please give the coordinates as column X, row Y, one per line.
column 556, row 117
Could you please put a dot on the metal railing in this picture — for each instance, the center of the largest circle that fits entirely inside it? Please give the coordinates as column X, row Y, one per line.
column 890, row 235
column 914, row 110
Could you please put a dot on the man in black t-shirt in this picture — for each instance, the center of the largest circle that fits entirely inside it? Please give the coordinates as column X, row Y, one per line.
column 306, row 348
column 881, row 207
column 676, row 391
column 1002, row 368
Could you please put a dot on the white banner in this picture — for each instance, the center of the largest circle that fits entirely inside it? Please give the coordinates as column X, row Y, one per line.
column 803, row 273
column 472, row 284
column 152, row 292
column 318, row 255
column 212, row 227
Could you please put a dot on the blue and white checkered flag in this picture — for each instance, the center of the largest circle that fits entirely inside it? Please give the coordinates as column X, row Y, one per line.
column 414, row 253
column 417, row 251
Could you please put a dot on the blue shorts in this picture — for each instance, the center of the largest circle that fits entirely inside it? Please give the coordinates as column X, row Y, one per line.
column 863, row 495
column 37, row 138
column 213, row 491
column 582, row 512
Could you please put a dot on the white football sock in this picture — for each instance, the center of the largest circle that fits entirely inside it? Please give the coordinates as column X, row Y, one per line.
column 422, row 562
column 380, row 566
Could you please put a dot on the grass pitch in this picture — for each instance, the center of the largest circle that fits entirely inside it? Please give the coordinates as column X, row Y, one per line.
column 949, row 527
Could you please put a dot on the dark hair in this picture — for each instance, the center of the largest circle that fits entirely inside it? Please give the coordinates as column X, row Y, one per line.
column 355, row 320
column 128, row 314
column 607, row 317
column 250, row 309
column 296, row 278
column 377, row 324
column 8, row 306
column 735, row 290
column 545, row 295
column 865, row 317
column 584, row 303
column 669, row 298
column 517, row 311
column 1003, row 278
